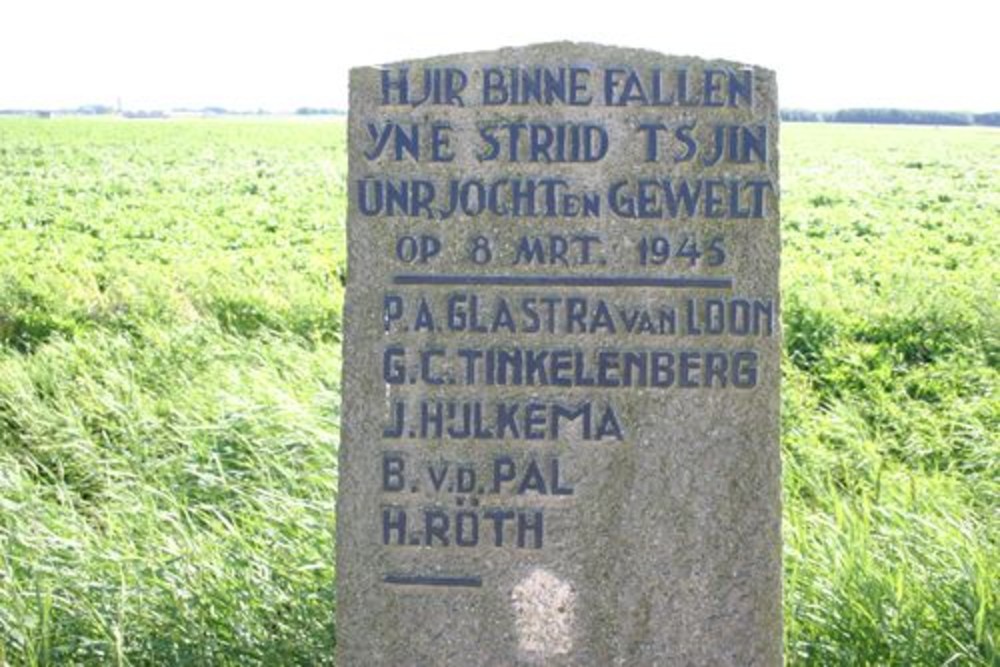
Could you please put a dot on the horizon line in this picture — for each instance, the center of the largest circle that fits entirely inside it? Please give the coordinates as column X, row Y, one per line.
column 97, row 108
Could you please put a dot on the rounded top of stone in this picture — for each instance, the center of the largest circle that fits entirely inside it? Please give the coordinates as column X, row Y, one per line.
column 578, row 52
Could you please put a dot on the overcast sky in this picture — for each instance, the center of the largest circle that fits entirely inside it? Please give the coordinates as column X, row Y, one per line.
column 283, row 54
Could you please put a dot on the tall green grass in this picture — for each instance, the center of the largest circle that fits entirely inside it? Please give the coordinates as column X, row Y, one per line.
column 169, row 317
column 169, row 365
column 891, row 417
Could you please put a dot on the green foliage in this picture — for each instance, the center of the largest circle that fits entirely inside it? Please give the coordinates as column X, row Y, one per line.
column 169, row 317
column 170, row 301
column 890, row 414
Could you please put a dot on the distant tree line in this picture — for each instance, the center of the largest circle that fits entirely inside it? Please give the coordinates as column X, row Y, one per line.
column 322, row 111
column 105, row 110
column 891, row 117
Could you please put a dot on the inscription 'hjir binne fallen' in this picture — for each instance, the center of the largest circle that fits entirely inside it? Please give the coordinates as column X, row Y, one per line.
column 561, row 362
column 573, row 86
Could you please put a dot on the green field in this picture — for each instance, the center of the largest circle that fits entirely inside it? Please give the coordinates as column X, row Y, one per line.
column 170, row 300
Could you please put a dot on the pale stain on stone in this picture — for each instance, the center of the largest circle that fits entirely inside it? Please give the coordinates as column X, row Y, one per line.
column 543, row 608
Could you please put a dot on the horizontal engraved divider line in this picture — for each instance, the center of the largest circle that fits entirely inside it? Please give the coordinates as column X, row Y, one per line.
column 433, row 580
column 563, row 281
column 429, row 498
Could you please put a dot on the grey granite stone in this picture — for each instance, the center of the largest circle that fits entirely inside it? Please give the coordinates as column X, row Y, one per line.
column 561, row 395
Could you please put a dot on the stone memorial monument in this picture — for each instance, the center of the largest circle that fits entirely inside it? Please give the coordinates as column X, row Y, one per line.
column 561, row 363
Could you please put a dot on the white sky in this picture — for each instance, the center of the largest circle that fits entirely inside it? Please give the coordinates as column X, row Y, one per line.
column 282, row 54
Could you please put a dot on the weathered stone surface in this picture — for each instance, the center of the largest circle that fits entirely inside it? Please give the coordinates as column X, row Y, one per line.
column 560, row 397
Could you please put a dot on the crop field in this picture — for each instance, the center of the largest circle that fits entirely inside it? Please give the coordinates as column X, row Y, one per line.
column 170, row 296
